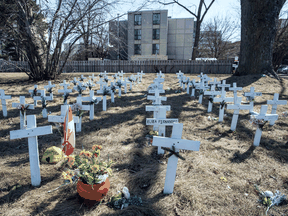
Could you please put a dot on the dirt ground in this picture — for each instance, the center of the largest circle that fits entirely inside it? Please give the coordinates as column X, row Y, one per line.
column 121, row 130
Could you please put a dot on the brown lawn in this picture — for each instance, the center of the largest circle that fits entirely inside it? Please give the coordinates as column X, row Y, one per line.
column 121, row 130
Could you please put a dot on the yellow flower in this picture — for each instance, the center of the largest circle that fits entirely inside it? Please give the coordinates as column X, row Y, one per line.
column 88, row 154
column 97, row 153
column 104, row 164
column 94, row 147
column 82, row 152
column 81, row 166
column 109, row 170
column 95, row 168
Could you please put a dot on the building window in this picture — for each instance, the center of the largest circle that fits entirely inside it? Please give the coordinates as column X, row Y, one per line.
column 137, row 49
column 137, row 19
column 156, row 19
column 155, row 49
column 137, row 34
column 156, row 34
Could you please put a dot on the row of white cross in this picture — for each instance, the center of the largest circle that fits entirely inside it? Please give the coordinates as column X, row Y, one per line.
column 205, row 89
column 159, row 122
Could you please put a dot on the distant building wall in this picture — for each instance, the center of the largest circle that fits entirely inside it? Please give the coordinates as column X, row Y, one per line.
column 118, row 41
column 180, row 38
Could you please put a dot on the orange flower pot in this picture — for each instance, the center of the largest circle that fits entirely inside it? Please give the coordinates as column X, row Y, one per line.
column 96, row 194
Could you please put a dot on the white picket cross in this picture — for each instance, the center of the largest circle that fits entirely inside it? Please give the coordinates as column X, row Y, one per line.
column 32, row 92
column 83, row 107
column 90, row 84
column 237, row 107
column 65, row 90
column 141, row 74
column 104, row 74
column 125, row 83
column 91, row 106
column 222, row 99
column 156, row 99
column 160, row 123
column 235, row 89
column 156, row 110
column 202, row 87
column 185, row 80
column 101, row 83
column 117, row 87
column 46, row 98
column 250, row 97
column 111, row 91
column 74, row 81
column 22, row 117
column 160, row 74
column 212, row 94
column 61, row 118
column 81, row 86
column 3, row 99
column 266, row 117
column 82, row 78
column 275, row 102
column 121, row 75
column 92, row 77
column 104, row 99
column 194, row 84
column 49, row 88
column 174, row 142
column 214, row 83
column 32, row 132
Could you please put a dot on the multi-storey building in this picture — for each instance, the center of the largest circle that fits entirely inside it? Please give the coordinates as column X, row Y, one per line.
column 153, row 35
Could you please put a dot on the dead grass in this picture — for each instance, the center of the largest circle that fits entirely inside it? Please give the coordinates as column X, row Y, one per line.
column 121, row 130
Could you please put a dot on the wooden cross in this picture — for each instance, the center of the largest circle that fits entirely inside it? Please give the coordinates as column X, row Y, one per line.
column 74, row 81
column 65, row 91
column 34, row 92
column 174, row 143
column 32, row 132
column 156, row 110
column 124, row 83
column 155, row 86
column 264, row 117
column 156, row 99
column 22, row 107
column 80, row 87
column 121, row 74
column 118, row 86
column 3, row 99
column 101, row 83
column 275, row 102
column 160, row 123
column 160, row 74
column 250, row 97
column 104, row 73
column 237, row 107
column 158, row 81
column 235, row 89
column 223, row 100
column 212, row 94
column 202, row 87
column 205, row 78
column 112, row 88
column 193, row 84
column 45, row 98
column 185, row 80
column 141, row 73
column 49, row 89
column 92, row 77
column 223, row 86
column 104, row 99
column 61, row 118
column 83, row 107
column 179, row 76
column 214, row 83
column 90, row 99
column 82, row 78
column 90, row 84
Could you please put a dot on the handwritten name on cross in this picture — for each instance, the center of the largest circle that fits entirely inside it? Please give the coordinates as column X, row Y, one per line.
column 156, row 110
column 275, row 102
column 237, row 107
column 22, row 106
column 32, row 132
column 174, row 144
column 265, row 117
column 3, row 99
column 250, row 97
column 49, row 89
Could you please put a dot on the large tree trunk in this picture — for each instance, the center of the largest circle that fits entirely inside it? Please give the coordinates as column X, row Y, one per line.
column 195, row 51
column 258, row 31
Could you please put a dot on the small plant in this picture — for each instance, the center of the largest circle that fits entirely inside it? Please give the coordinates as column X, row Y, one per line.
column 257, row 122
column 201, row 92
column 119, row 83
column 211, row 99
column 105, row 91
column 65, row 97
column 81, row 79
column 100, row 75
column 94, row 101
column 50, row 90
column 106, row 79
column 23, row 108
column 113, row 89
column 78, row 109
column 43, row 102
column 74, row 82
column 79, row 89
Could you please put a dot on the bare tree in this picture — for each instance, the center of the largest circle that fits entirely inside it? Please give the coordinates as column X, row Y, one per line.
column 216, row 37
column 199, row 19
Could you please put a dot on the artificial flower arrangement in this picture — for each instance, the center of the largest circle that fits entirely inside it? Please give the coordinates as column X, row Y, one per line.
column 87, row 167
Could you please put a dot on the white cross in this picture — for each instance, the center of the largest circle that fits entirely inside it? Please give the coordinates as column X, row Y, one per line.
column 275, row 102
column 118, row 86
column 80, row 87
column 124, row 83
column 222, row 99
column 82, row 78
column 214, row 83
column 106, row 79
column 19, row 105
column 104, row 73
column 74, row 81
column 34, row 91
column 101, row 82
column 158, row 81
column 90, row 84
column 83, row 107
column 65, row 90
column 45, row 98
column 179, row 76
column 265, row 117
column 193, row 84
column 90, row 99
column 92, row 77
column 237, row 107
column 223, row 86
column 111, row 90
column 212, row 94
column 235, row 89
column 156, row 110
column 156, row 99
column 202, row 87
column 174, row 142
column 160, row 74
column 141, row 73
column 3, row 99
column 104, row 99
column 155, row 86
column 121, row 74
column 185, row 81
column 160, row 123
column 250, row 97
column 32, row 132
column 205, row 78
column 49, row 89
column 61, row 118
